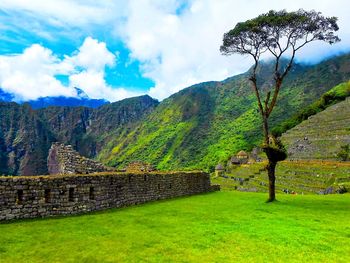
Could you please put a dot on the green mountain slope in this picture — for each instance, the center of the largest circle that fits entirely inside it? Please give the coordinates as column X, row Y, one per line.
column 24, row 140
column 331, row 97
column 322, row 135
column 206, row 123
column 26, row 134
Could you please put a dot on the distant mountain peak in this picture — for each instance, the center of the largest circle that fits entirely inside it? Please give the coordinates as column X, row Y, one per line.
column 81, row 94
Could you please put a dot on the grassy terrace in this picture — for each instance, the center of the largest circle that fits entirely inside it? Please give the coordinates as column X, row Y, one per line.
column 302, row 177
column 216, row 227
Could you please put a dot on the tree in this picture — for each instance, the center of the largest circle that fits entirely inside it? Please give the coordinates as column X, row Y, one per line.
column 281, row 34
column 344, row 152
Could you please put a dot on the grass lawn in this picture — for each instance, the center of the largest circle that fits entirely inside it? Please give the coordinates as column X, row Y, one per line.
column 216, row 227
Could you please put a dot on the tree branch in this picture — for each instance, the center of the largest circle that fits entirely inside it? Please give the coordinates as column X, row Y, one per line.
column 255, row 87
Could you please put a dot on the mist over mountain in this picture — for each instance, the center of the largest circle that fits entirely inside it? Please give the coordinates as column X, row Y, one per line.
column 82, row 99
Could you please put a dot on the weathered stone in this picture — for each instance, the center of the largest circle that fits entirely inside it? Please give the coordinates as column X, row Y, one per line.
column 74, row 194
column 63, row 159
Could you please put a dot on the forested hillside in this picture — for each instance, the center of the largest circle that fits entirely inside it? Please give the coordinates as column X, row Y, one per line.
column 206, row 123
column 26, row 134
column 193, row 129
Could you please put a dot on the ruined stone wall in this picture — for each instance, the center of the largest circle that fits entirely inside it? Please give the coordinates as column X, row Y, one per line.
column 63, row 159
column 42, row 196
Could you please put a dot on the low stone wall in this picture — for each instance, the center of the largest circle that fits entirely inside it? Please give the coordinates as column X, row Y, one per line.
column 42, row 196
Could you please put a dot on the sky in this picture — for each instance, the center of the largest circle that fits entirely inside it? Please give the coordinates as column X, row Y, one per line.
column 119, row 49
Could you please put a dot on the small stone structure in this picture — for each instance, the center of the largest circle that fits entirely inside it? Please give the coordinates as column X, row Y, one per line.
column 234, row 160
column 240, row 158
column 242, row 155
column 63, row 159
column 42, row 196
column 219, row 170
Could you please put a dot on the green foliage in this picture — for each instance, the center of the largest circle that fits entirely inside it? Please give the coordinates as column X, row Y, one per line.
column 278, row 31
column 344, row 153
column 331, row 97
column 215, row 227
column 26, row 134
column 320, row 136
column 207, row 123
column 275, row 150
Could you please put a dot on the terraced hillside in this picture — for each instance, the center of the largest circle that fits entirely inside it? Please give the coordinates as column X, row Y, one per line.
column 322, row 135
column 301, row 177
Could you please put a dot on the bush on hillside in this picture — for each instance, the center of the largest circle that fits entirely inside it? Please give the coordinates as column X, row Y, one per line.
column 344, row 153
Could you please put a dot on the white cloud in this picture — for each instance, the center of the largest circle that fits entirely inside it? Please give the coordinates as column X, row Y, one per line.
column 67, row 12
column 180, row 50
column 93, row 83
column 92, row 55
column 32, row 74
column 175, row 50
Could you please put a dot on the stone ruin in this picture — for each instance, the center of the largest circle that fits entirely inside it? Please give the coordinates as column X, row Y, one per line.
column 78, row 185
column 69, row 194
column 63, row 159
column 138, row 166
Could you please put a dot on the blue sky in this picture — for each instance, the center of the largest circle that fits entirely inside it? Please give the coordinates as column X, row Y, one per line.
column 118, row 49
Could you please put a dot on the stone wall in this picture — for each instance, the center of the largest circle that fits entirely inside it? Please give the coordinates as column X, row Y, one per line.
column 138, row 166
column 63, row 159
column 42, row 196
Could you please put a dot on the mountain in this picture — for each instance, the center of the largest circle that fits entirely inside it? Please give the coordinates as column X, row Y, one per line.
column 204, row 124
column 82, row 99
column 24, row 140
column 5, row 96
column 26, row 134
column 321, row 136
column 88, row 130
column 193, row 129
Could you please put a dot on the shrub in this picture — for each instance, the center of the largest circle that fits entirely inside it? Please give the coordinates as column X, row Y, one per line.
column 344, row 153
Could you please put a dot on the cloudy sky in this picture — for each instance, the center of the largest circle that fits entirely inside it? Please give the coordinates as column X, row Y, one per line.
column 118, row 49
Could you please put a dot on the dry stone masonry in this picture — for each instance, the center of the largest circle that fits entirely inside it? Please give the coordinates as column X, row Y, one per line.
column 42, row 196
column 78, row 185
column 63, row 159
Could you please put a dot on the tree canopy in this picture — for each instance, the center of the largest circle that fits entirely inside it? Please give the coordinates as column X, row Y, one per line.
column 278, row 31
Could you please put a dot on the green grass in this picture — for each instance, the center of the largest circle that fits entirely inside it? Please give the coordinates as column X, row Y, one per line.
column 303, row 177
column 215, row 227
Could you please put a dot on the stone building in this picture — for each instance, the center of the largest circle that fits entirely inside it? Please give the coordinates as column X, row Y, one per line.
column 240, row 158
column 219, row 170
column 63, row 159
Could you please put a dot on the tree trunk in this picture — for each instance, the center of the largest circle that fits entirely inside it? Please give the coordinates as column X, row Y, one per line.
column 271, row 167
column 266, row 129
